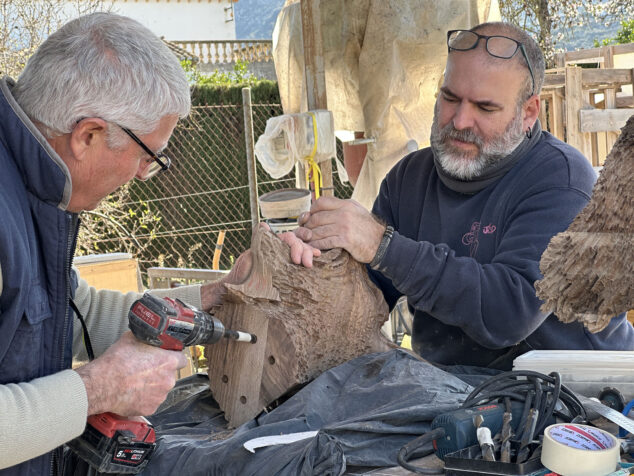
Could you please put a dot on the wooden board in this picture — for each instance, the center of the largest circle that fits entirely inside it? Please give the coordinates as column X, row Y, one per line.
column 316, row 96
column 104, row 272
column 597, row 120
column 307, row 320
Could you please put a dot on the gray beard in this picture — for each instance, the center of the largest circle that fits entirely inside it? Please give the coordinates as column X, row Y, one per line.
column 462, row 165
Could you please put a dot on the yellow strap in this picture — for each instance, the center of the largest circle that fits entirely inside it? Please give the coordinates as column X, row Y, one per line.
column 215, row 263
column 312, row 167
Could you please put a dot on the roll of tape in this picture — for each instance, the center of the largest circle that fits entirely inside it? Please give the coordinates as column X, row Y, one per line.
column 579, row 450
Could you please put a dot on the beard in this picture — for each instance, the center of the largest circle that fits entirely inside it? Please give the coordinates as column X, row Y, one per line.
column 464, row 165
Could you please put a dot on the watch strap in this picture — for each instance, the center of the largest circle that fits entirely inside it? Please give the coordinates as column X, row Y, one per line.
column 382, row 249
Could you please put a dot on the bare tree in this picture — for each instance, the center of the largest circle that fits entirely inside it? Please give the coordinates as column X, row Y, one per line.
column 119, row 225
column 550, row 21
column 25, row 24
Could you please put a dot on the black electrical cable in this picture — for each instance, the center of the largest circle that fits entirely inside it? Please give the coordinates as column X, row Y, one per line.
column 539, row 393
column 550, row 384
column 87, row 343
column 410, row 450
column 528, row 403
column 554, row 397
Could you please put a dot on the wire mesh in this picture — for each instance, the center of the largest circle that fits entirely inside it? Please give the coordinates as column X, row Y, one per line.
column 205, row 191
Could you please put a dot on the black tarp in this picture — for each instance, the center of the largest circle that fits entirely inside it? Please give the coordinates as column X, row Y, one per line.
column 365, row 410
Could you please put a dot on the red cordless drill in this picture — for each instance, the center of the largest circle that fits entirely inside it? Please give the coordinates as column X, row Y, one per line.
column 171, row 324
column 115, row 444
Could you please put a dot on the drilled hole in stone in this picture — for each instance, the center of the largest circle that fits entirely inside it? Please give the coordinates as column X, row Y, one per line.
column 271, row 360
column 225, row 379
column 243, row 399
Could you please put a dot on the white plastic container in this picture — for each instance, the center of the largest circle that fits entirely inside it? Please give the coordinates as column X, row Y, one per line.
column 586, row 372
column 285, row 203
column 290, row 138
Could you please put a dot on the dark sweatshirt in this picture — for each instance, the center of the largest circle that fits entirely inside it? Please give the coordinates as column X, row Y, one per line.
column 468, row 263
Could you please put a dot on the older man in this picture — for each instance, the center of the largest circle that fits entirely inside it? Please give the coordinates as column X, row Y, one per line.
column 93, row 109
column 459, row 228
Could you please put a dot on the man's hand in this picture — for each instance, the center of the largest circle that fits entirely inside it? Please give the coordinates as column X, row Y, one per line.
column 336, row 223
column 131, row 378
column 301, row 253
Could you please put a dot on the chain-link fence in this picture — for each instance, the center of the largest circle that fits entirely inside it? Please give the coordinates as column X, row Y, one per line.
column 205, row 191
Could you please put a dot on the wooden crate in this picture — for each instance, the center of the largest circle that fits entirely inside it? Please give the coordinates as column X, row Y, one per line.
column 117, row 271
column 587, row 107
column 171, row 277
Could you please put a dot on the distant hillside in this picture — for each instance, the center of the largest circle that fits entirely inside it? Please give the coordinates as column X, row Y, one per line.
column 255, row 19
column 583, row 38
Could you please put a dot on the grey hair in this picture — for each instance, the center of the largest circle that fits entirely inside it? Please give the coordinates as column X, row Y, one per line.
column 534, row 53
column 102, row 65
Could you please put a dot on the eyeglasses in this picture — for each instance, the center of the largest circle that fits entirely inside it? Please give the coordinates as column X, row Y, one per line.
column 496, row 45
column 160, row 162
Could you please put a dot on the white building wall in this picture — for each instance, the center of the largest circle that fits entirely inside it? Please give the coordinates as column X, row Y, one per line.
column 182, row 20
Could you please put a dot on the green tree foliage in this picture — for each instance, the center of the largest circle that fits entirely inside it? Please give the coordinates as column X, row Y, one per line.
column 239, row 75
column 550, row 21
column 623, row 36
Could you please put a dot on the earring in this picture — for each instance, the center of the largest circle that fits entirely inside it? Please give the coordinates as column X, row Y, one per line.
column 529, row 133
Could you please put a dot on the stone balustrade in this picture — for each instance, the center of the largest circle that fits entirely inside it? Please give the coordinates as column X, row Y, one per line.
column 228, row 51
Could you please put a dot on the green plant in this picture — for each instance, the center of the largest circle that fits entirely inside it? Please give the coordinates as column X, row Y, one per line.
column 118, row 225
column 191, row 71
column 239, row 75
column 263, row 91
column 623, row 36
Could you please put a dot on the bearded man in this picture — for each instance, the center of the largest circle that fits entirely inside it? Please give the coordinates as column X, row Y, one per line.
column 459, row 228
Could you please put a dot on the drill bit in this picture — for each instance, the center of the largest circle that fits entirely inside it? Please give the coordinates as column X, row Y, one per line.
column 527, row 436
column 484, row 439
column 240, row 336
column 507, row 433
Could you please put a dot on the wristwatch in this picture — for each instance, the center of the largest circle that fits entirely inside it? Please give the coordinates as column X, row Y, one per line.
column 382, row 249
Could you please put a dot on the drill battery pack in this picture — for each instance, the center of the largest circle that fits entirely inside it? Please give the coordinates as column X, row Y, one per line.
column 114, row 444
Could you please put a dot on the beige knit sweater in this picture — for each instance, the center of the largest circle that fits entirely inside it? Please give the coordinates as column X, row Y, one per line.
column 42, row 414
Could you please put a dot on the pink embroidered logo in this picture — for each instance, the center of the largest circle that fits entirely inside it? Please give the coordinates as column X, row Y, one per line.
column 470, row 239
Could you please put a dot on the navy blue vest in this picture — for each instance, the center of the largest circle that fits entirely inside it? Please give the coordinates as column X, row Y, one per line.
column 37, row 241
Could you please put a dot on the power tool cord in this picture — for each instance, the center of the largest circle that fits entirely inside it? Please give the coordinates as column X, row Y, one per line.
column 536, row 390
column 540, row 393
column 87, row 343
column 410, row 450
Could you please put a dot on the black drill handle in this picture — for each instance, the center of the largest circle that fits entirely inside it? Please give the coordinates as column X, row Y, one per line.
column 148, row 318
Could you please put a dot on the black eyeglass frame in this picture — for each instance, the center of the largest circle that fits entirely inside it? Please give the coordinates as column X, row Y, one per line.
column 165, row 163
column 520, row 47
